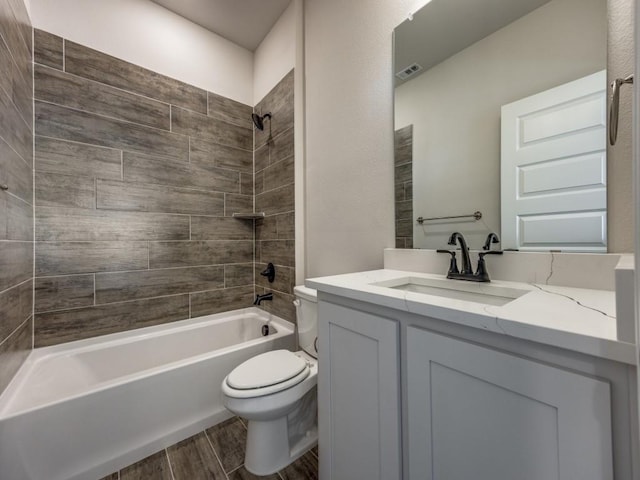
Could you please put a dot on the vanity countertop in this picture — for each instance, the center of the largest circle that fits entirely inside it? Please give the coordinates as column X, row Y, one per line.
column 577, row 319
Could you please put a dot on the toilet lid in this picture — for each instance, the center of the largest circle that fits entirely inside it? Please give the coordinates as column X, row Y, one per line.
column 266, row 369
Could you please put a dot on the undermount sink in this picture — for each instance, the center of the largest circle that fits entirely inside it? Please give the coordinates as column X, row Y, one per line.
column 485, row 293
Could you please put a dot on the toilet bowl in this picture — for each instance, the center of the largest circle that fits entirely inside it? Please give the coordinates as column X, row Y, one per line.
column 276, row 392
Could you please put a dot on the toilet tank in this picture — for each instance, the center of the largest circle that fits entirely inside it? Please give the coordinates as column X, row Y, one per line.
column 307, row 318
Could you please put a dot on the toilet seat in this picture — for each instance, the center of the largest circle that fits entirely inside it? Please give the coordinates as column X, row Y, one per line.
column 265, row 374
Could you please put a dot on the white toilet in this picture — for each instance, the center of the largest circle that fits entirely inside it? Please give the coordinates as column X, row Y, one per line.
column 276, row 392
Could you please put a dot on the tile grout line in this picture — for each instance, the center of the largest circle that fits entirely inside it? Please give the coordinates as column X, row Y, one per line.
column 216, row 454
column 134, row 300
column 16, row 108
column 166, row 452
column 33, row 194
column 234, row 469
column 110, row 86
column 4, row 340
column 120, row 120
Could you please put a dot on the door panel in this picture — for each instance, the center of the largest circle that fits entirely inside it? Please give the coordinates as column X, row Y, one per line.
column 553, row 168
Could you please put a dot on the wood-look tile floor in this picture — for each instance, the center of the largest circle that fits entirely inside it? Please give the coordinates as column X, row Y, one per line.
column 215, row 454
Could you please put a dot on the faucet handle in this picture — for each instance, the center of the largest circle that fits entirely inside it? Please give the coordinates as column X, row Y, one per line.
column 453, row 265
column 269, row 272
column 481, row 273
column 491, row 238
column 489, row 252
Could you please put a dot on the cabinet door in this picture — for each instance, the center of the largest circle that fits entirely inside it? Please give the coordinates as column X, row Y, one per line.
column 358, row 395
column 476, row 413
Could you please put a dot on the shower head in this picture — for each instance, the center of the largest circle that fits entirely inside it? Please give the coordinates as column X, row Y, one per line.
column 258, row 120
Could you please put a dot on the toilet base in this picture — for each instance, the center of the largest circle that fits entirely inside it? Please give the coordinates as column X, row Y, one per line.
column 268, row 449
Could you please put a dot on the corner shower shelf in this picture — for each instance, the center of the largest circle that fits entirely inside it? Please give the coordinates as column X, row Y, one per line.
column 248, row 216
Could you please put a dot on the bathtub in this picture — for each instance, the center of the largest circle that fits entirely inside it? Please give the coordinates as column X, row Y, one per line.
column 85, row 409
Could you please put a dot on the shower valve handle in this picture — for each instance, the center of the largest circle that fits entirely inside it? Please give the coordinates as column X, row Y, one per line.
column 269, row 272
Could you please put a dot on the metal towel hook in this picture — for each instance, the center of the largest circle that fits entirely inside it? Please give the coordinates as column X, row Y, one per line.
column 615, row 107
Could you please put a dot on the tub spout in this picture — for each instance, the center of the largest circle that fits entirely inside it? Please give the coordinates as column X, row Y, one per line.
column 260, row 298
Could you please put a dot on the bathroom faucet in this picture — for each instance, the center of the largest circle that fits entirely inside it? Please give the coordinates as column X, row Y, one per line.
column 481, row 274
column 260, row 298
column 466, row 261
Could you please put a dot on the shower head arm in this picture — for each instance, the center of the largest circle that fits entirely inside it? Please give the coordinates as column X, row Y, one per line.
column 258, row 120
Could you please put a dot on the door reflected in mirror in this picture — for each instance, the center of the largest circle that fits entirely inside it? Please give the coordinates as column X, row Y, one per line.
column 457, row 63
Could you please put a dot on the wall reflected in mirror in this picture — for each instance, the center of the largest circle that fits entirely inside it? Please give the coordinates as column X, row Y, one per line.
column 456, row 65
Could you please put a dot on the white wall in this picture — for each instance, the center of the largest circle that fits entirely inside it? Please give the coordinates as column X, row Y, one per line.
column 349, row 132
column 454, row 108
column 349, row 142
column 276, row 55
column 144, row 33
column 620, row 63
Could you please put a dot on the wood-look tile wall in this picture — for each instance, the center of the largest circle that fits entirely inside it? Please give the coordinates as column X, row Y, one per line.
column 403, row 146
column 274, row 188
column 16, row 204
column 136, row 178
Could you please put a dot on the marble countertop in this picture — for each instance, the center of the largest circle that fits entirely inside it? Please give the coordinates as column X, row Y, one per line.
column 576, row 319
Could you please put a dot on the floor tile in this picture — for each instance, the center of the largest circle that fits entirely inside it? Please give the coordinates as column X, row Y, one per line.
column 229, row 439
column 194, row 459
column 154, row 467
column 243, row 474
column 304, row 468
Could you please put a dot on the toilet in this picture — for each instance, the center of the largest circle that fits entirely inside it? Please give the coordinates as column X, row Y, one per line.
column 276, row 392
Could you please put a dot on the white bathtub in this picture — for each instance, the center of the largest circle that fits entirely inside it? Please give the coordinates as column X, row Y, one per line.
column 85, row 409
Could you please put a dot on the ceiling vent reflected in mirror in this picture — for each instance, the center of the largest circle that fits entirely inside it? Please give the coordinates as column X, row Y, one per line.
column 409, row 71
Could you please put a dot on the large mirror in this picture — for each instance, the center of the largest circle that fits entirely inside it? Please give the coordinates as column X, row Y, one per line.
column 500, row 109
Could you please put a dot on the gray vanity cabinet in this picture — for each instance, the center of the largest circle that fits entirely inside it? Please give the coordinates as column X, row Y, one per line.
column 358, row 395
column 475, row 412
column 399, row 401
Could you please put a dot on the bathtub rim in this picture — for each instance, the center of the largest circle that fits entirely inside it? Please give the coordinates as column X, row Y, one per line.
column 40, row 354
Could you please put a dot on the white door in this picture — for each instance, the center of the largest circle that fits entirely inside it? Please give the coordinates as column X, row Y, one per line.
column 553, row 169
column 477, row 413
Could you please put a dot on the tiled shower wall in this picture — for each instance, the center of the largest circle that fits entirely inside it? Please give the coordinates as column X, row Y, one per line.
column 16, row 210
column 136, row 178
column 403, row 156
column 274, row 183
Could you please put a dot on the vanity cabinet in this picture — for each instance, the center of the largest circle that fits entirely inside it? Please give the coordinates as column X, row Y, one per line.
column 474, row 412
column 358, row 395
column 401, row 400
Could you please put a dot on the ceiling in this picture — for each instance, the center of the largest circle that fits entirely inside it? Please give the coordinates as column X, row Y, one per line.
column 244, row 22
column 428, row 38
